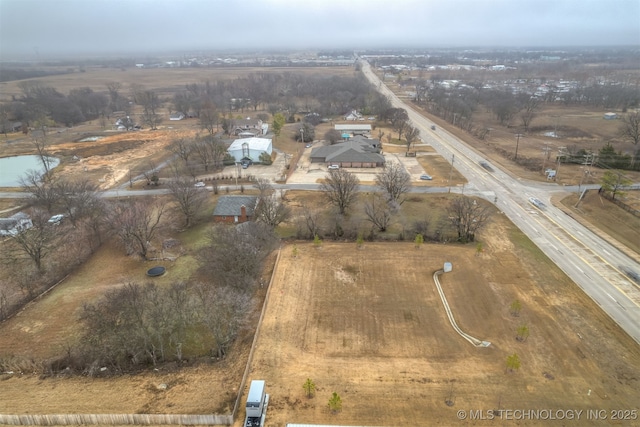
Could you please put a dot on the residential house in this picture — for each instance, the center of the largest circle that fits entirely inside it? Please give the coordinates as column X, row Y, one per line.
column 176, row 116
column 359, row 152
column 235, row 209
column 248, row 128
column 250, row 148
column 353, row 115
column 15, row 224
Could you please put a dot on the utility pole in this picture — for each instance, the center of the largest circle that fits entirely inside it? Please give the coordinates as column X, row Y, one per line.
column 453, row 158
column 559, row 161
column 588, row 162
column 518, row 135
column 545, row 152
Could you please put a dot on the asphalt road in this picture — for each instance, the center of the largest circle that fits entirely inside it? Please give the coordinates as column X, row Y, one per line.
column 592, row 263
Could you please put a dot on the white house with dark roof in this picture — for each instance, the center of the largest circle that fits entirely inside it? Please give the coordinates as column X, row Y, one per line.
column 248, row 127
column 250, row 148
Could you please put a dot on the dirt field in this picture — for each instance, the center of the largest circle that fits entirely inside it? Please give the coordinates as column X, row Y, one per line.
column 358, row 323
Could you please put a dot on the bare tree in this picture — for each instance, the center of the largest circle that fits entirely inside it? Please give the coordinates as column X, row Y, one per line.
column 223, row 312
column 40, row 142
column 150, row 104
column 340, row 188
column 468, row 216
column 209, row 118
column 395, row 181
column 271, row 210
column 188, row 197
column 630, row 128
column 76, row 198
column 309, row 223
column 234, row 255
column 183, row 148
column 264, row 186
column 36, row 242
column 378, row 212
column 333, row 136
column 630, row 131
column 411, row 134
column 44, row 192
column 531, row 105
column 136, row 224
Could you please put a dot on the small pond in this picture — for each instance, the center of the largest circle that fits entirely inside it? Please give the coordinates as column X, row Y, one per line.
column 15, row 167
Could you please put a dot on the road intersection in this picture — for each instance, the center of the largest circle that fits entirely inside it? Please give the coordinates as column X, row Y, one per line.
column 589, row 260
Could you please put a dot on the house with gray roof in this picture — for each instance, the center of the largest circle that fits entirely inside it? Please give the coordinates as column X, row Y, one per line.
column 358, row 152
column 235, row 209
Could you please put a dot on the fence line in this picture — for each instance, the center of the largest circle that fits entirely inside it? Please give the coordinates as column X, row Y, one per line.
column 255, row 338
column 622, row 204
column 115, row 419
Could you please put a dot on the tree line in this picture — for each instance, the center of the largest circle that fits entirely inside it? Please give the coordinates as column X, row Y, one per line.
column 211, row 102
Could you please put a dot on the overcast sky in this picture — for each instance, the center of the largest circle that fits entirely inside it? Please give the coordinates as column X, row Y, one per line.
column 92, row 27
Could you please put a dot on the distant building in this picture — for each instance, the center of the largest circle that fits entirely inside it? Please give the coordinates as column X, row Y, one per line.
column 610, row 116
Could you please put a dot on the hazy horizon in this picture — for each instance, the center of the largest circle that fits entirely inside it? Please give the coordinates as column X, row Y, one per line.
column 41, row 29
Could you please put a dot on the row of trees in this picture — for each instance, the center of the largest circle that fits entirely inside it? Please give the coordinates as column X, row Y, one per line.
column 341, row 189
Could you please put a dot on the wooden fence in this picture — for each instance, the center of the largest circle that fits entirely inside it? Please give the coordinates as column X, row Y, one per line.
column 114, row 419
column 633, row 211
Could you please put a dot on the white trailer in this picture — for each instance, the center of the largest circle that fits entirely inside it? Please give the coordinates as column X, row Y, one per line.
column 257, row 402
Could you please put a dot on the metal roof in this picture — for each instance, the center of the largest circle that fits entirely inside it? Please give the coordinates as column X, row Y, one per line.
column 258, row 144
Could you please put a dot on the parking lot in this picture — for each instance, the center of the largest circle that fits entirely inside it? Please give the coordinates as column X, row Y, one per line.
column 312, row 173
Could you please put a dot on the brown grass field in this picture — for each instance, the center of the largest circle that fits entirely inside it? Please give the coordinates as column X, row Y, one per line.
column 165, row 80
column 368, row 324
